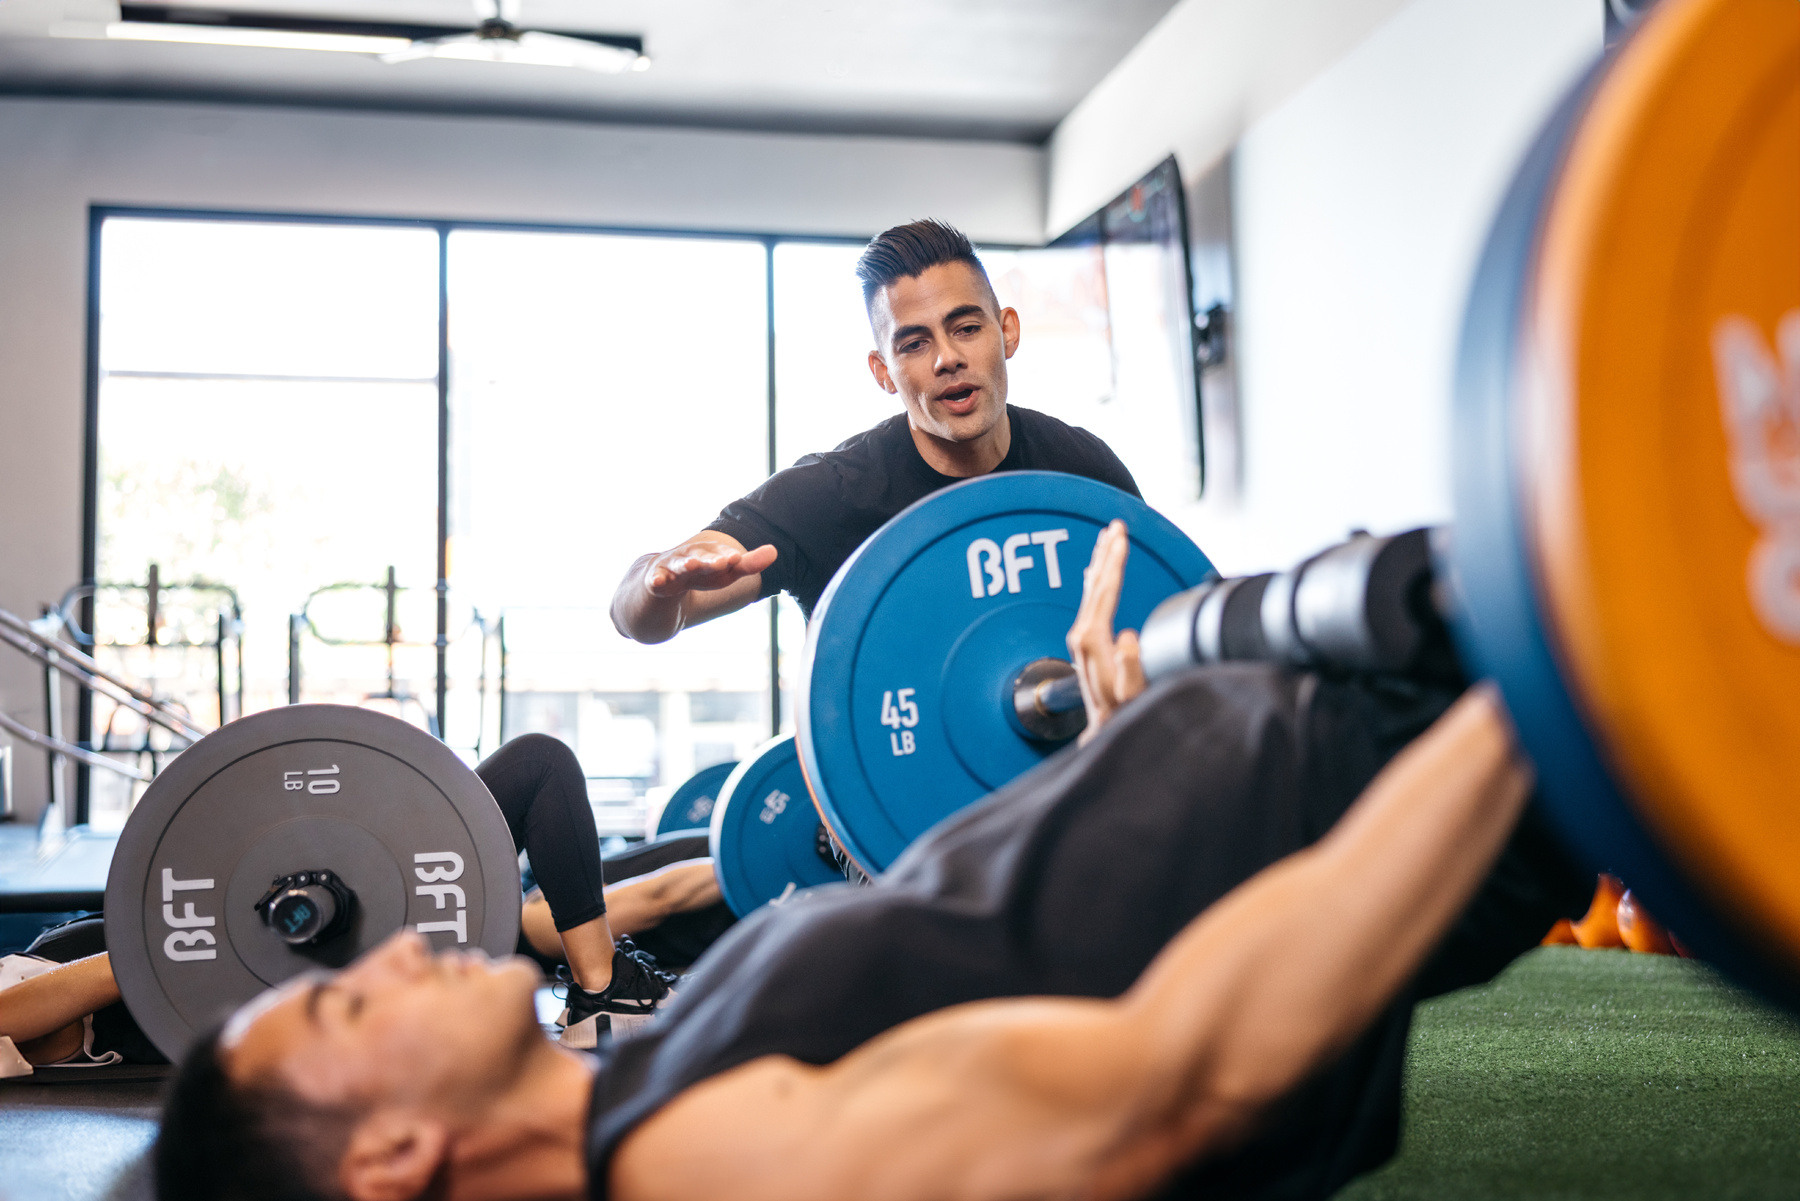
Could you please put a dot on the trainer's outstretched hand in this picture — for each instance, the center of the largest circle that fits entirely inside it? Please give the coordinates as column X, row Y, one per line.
column 703, row 564
column 1109, row 667
column 708, row 576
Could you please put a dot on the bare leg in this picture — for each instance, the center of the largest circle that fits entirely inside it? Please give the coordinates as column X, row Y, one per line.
column 642, row 902
column 55, row 1047
column 539, row 927
column 588, row 950
column 38, row 1014
column 639, row 903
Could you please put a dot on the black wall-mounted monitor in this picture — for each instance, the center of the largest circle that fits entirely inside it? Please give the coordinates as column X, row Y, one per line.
column 1143, row 238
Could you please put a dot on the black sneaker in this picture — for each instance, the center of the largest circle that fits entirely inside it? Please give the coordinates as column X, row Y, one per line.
column 637, row 987
column 623, row 944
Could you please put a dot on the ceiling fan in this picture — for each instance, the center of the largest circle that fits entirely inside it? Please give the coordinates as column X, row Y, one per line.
column 496, row 36
column 499, row 38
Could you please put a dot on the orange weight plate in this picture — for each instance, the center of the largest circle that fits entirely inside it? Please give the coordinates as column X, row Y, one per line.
column 1660, row 416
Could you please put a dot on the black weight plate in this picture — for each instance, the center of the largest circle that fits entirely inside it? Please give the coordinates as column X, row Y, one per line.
column 400, row 819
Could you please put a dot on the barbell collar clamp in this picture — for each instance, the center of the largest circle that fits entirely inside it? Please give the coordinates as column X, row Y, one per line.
column 307, row 908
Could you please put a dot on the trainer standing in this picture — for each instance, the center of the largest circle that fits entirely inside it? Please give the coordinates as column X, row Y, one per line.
column 941, row 345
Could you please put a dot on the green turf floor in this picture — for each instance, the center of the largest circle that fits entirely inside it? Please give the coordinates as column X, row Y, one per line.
column 1597, row 1074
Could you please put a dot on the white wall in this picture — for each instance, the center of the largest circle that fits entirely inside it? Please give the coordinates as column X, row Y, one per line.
column 1359, row 204
column 57, row 158
column 1191, row 87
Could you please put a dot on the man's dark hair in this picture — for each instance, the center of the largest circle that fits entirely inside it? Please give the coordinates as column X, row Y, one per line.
column 226, row 1141
column 911, row 249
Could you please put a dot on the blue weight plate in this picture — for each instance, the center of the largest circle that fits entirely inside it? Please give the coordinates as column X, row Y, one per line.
column 691, row 806
column 905, row 694
column 1500, row 626
column 765, row 831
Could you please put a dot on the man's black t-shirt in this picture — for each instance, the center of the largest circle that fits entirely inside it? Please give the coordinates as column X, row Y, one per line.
column 817, row 512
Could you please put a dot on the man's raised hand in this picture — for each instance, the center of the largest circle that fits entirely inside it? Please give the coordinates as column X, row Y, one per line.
column 704, row 564
column 1110, row 668
column 708, row 576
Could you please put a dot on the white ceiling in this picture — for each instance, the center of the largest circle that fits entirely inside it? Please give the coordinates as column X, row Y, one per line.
column 1006, row 69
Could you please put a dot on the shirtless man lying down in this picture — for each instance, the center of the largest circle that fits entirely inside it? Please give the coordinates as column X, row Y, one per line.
column 1182, row 956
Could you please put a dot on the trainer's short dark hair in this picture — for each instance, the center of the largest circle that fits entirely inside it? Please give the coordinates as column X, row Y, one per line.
column 226, row 1141
column 908, row 250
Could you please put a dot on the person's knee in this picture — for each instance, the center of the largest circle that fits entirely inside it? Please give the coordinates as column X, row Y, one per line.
column 542, row 756
column 542, row 746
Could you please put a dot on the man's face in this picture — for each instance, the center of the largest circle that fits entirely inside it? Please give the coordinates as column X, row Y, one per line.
column 941, row 345
column 399, row 1027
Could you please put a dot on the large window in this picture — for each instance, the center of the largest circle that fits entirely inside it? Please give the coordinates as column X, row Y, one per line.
column 306, row 411
column 1099, row 347
column 264, row 390
column 608, row 393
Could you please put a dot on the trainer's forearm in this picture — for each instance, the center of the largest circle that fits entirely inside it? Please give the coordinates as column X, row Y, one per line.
column 640, row 616
column 44, row 1004
column 1294, row 964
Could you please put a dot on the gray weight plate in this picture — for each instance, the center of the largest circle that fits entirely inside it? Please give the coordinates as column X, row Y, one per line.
column 402, row 821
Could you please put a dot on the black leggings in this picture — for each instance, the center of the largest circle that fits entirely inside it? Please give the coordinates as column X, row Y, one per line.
column 543, row 793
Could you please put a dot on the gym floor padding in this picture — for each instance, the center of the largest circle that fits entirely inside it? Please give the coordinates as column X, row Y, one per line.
column 1597, row 1075
column 76, row 1142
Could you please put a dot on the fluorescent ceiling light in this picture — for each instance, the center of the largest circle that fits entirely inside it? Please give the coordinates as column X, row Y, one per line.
column 495, row 39
column 273, row 39
column 526, row 48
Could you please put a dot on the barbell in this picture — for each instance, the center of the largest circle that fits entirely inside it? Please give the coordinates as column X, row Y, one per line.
column 766, row 838
column 1626, row 552
column 300, row 836
column 895, row 735
column 1625, row 556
